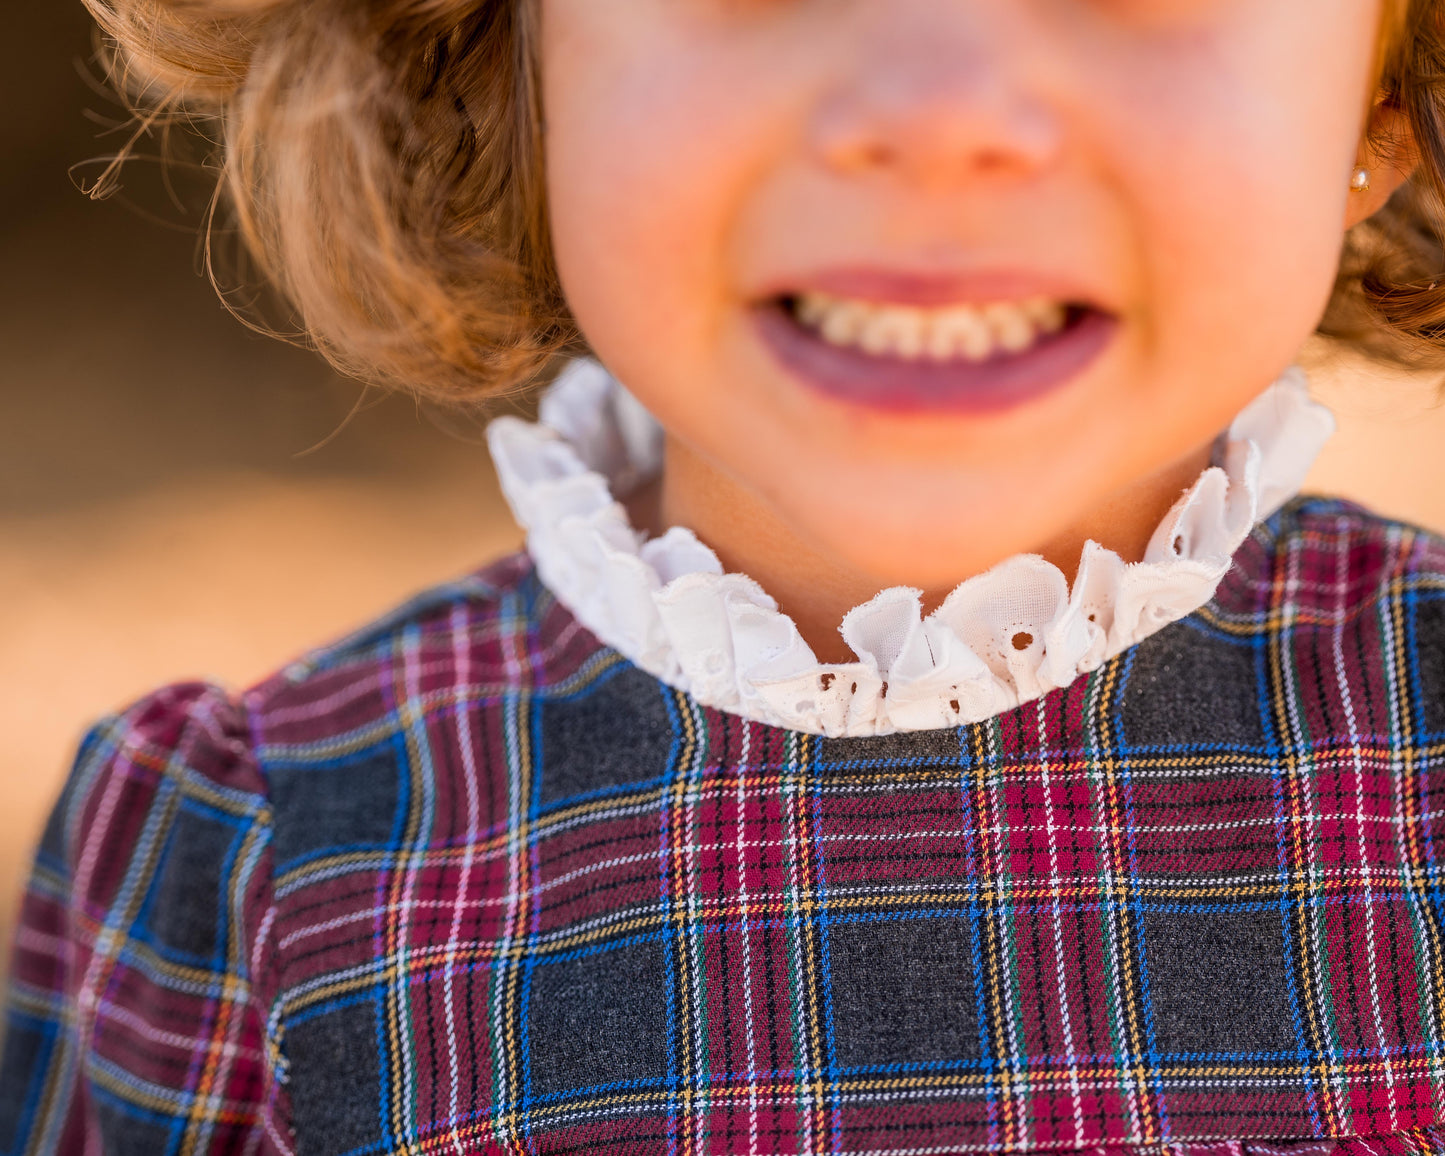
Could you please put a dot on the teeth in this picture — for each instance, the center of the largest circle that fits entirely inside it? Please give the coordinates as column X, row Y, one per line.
column 958, row 331
column 812, row 310
column 961, row 332
column 895, row 330
column 1047, row 315
column 842, row 323
column 1012, row 328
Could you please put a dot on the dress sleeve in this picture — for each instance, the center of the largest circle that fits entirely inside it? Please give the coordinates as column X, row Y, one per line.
column 142, row 972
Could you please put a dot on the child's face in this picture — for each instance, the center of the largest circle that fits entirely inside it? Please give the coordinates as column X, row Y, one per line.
column 1182, row 166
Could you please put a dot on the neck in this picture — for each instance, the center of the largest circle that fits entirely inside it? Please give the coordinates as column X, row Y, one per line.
column 815, row 589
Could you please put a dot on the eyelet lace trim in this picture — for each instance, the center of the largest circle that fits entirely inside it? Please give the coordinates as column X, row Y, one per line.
column 1000, row 639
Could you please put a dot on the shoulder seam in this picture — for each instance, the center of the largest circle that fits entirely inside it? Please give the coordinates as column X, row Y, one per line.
column 478, row 587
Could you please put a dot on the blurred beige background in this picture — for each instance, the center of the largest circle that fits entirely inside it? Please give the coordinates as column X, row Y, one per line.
column 180, row 498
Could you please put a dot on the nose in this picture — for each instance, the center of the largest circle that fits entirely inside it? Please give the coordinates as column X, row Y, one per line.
column 941, row 92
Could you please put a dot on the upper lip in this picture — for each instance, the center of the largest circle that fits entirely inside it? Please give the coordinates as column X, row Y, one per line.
column 935, row 289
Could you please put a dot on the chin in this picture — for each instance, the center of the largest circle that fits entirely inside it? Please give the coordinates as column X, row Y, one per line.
column 918, row 556
column 925, row 529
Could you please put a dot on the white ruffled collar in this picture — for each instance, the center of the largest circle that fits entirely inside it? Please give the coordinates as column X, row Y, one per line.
column 1001, row 638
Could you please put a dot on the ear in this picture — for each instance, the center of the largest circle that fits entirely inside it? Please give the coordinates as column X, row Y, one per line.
column 1390, row 152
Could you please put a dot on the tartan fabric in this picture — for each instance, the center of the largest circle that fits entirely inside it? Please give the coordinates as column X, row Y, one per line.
column 471, row 882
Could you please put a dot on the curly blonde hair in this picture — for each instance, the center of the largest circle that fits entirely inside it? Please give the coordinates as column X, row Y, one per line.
column 383, row 164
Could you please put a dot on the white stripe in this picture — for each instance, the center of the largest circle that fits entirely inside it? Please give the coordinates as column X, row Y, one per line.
column 1334, row 1084
column 515, row 850
column 461, row 650
column 1342, row 544
column 1059, row 970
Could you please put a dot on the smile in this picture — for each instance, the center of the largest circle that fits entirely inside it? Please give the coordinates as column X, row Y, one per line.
column 961, row 331
column 962, row 358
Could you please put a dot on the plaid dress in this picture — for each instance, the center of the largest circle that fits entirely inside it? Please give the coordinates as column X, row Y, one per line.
column 471, row 882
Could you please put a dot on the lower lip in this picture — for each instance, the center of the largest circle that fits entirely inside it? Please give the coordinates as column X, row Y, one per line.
column 898, row 385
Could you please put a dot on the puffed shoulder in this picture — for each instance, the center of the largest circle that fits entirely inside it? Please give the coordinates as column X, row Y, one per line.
column 187, row 729
column 181, row 750
column 142, row 944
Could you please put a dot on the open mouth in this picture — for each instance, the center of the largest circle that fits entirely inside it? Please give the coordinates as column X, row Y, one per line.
column 959, row 357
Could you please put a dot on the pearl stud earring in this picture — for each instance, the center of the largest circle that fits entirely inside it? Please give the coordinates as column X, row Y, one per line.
column 1360, row 182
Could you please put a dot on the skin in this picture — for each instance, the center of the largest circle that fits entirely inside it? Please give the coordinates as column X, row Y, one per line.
column 1186, row 161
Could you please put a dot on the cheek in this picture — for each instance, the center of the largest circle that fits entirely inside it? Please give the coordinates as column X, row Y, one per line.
column 1240, row 232
column 650, row 152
